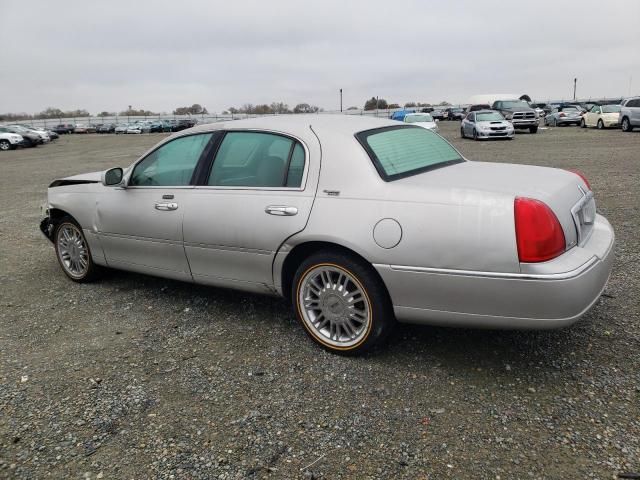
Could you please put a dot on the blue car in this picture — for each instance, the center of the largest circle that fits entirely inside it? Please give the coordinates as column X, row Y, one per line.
column 400, row 114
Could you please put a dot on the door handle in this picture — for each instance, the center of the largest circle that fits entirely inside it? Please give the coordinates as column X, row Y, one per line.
column 281, row 210
column 166, row 206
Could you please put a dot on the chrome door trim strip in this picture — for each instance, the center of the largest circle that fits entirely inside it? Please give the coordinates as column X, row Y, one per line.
column 475, row 273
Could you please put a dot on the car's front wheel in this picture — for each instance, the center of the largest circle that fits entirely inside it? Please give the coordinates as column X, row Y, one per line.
column 5, row 145
column 626, row 125
column 600, row 125
column 342, row 303
column 533, row 129
column 583, row 124
column 73, row 253
column 462, row 132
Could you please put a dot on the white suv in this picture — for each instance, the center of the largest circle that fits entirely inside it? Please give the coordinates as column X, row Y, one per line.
column 9, row 141
column 630, row 114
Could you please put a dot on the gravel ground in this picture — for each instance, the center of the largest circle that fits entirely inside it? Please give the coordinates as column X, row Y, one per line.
column 140, row 377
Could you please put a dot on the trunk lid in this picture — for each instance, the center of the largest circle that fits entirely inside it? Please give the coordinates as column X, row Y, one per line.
column 563, row 191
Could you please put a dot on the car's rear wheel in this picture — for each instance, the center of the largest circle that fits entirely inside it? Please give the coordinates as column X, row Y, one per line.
column 342, row 303
column 462, row 132
column 583, row 124
column 600, row 124
column 73, row 253
column 5, row 145
column 626, row 125
column 555, row 123
column 475, row 134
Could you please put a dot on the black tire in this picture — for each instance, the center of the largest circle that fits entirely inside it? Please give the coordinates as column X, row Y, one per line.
column 92, row 271
column 583, row 124
column 462, row 132
column 600, row 125
column 475, row 134
column 533, row 129
column 381, row 319
column 5, row 145
column 555, row 123
column 626, row 125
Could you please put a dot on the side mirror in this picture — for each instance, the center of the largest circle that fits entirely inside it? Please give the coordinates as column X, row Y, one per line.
column 112, row 177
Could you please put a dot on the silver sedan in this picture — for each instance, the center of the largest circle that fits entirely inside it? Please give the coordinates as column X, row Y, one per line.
column 359, row 222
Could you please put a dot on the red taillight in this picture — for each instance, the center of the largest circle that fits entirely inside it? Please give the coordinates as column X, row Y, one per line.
column 562, row 114
column 582, row 176
column 539, row 235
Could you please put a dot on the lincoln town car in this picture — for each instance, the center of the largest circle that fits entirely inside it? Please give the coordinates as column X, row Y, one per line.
column 359, row 222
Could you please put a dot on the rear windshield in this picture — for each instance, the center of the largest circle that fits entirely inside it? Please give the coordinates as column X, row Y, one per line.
column 610, row 108
column 423, row 117
column 402, row 151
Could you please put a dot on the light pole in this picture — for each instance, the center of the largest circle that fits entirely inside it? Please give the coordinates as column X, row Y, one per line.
column 340, row 100
column 575, row 81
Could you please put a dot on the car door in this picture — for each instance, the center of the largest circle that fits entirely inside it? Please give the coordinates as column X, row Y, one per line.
column 140, row 225
column 634, row 111
column 592, row 116
column 469, row 124
column 259, row 192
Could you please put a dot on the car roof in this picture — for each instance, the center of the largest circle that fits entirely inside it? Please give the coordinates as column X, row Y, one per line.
column 298, row 124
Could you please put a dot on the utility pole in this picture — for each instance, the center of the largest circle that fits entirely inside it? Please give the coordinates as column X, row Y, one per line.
column 575, row 81
column 340, row 100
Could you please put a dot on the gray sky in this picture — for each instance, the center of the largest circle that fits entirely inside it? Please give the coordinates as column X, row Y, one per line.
column 106, row 55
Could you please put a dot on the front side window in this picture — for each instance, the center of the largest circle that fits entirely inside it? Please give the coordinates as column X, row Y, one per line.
column 172, row 164
column 257, row 159
column 399, row 152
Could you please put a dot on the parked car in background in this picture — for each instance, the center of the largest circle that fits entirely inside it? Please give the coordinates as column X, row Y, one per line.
column 540, row 109
column 564, row 115
column 160, row 126
column 400, row 114
column 455, row 113
column 424, row 120
column 511, row 246
column 486, row 124
column 630, row 114
column 64, row 128
column 438, row 114
column 44, row 136
column 9, row 140
column 601, row 116
column 30, row 139
column 519, row 113
column 85, row 128
column 133, row 128
column 121, row 128
column 107, row 128
column 477, row 107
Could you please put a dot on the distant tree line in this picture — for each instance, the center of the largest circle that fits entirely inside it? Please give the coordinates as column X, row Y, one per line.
column 273, row 108
column 375, row 103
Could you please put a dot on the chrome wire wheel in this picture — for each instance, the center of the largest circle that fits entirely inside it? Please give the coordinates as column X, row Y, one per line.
column 334, row 306
column 72, row 250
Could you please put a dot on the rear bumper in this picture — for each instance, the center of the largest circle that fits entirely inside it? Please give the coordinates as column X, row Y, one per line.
column 550, row 295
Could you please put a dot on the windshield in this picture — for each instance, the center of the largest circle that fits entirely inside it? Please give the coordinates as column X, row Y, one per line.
column 423, row 117
column 456, row 110
column 402, row 151
column 515, row 104
column 610, row 108
column 489, row 117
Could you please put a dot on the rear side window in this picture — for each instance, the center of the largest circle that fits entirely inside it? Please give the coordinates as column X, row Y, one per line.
column 399, row 152
column 257, row 159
